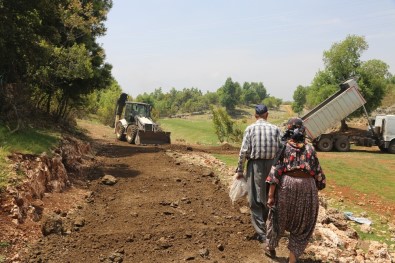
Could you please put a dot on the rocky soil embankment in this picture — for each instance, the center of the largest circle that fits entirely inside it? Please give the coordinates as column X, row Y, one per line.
column 37, row 189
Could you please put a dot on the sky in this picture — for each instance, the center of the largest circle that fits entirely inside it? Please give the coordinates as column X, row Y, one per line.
column 163, row 44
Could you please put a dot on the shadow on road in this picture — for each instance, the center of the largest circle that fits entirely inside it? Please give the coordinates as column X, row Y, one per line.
column 119, row 151
column 301, row 260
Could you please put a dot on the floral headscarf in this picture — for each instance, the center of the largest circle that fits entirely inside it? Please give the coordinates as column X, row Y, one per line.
column 295, row 131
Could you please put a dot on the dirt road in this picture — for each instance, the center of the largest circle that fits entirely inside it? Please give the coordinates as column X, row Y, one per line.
column 160, row 210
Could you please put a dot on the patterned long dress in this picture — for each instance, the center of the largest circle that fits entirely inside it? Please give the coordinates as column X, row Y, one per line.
column 296, row 198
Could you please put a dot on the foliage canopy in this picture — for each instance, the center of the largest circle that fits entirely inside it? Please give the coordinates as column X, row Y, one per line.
column 49, row 52
column 343, row 61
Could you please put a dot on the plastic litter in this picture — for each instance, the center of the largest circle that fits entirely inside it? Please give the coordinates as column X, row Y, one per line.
column 359, row 220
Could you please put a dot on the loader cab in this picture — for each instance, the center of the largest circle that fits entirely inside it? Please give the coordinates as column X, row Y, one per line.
column 134, row 109
column 142, row 110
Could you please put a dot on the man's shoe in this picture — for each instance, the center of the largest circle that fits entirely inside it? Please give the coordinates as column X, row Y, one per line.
column 258, row 237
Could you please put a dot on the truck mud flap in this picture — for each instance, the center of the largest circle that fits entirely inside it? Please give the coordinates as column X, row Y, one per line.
column 150, row 137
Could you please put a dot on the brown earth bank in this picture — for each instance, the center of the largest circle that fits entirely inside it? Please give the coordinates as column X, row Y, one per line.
column 154, row 204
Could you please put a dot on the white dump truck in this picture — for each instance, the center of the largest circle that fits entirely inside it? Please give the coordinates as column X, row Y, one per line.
column 336, row 108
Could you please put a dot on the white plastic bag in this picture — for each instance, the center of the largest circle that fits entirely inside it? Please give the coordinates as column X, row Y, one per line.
column 238, row 188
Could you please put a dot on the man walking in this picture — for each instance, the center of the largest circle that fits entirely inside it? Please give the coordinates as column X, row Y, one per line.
column 261, row 141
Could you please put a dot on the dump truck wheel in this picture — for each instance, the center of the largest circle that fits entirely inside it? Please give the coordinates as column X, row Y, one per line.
column 325, row 144
column 342, row 144
column 391, row 147
column 119, row 131
column 131, row 133
column 381, row 147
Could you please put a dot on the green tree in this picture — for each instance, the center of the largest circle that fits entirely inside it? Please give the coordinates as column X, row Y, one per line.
column 189, row 100
column 106, row 104
column 260, row 90
column 322, row 86
column 229, row 94
column 225, row 128
column 249, row 96
column 253, row 93
column 272, row 102
column 299, row 98
column 211, row 98
column 146, row 98
column 373, row 74
column 342, row 61
column 53, row 50
column 20, row 30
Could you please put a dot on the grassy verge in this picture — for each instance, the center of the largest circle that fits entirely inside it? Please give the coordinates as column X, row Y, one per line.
column 28, row 140
column 379, row 227
column 370, row 173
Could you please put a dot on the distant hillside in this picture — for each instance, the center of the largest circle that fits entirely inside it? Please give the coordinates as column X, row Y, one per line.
column 388, row 103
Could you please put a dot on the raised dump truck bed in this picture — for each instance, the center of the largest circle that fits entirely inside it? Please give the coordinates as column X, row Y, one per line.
column 334, row 109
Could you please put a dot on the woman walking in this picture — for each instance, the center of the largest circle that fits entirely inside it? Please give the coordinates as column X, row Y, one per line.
column 293, row 193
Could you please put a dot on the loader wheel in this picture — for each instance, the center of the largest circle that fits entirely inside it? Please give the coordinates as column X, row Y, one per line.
column 391, row 147
column 131, row 133
column 342, row 144
column 325, row 144
column 120, row 131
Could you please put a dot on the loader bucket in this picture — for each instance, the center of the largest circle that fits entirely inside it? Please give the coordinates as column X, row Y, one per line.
column 151, row 137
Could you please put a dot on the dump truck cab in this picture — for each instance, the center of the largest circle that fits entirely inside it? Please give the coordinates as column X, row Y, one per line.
column 384, row 130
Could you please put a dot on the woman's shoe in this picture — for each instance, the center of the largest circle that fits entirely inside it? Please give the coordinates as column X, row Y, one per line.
column 271, row 253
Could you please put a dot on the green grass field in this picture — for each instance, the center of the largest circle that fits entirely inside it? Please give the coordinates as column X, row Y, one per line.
column 199, row 129
column 193, row 131
column 371, row 173
column 364, row 172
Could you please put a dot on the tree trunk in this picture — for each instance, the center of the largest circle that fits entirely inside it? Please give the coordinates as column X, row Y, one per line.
column 49, row 102
column 40, row 100
column 65, row 106
column 344, row 126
